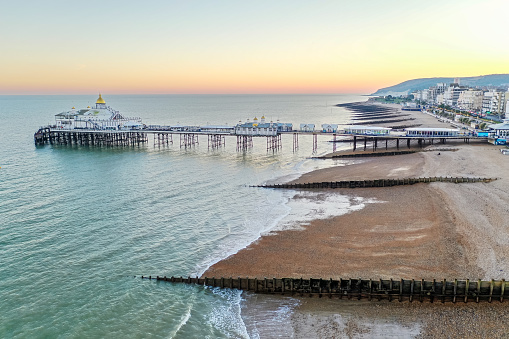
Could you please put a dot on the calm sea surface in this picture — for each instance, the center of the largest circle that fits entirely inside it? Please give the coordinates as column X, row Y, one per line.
column 78, row 223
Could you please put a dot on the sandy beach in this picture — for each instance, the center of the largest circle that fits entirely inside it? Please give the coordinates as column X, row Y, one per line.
column 423, row 231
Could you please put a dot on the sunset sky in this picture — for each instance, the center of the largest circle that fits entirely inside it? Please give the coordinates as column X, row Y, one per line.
column 276, row 46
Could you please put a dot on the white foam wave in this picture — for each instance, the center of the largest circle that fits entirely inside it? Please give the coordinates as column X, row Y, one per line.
column 306, row 206
column 183, row 320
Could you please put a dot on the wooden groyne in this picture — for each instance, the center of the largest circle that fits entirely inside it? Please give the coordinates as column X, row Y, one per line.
column 377, row 182
column 357, row 289
column 366, row 154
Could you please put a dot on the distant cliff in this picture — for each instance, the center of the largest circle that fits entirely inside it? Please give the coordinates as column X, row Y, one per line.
column 408, row 86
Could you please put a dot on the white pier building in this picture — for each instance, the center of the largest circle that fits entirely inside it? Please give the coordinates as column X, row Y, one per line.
column 431, row 132
column 367, row 130
column 100, row 117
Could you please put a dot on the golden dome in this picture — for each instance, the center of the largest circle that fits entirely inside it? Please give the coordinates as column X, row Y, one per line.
column 73, row 107
column 255, row 119
column 100, row 100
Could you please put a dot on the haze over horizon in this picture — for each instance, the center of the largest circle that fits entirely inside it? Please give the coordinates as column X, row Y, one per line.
column 229, row 47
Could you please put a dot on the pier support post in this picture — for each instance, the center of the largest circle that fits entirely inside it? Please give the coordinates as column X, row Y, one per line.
column 244, row 142
column 274, row 143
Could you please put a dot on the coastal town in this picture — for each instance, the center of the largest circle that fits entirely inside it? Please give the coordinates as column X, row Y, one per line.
column 485, row 103
column 480, row 108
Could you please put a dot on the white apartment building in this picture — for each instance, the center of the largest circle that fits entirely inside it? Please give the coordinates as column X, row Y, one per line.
column 421, row 95
column 435, row 91
column 440, row 99
column 452, row 93
column 495, row 101
column 471, row 100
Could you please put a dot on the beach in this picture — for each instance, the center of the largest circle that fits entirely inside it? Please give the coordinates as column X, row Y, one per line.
column 423, row 231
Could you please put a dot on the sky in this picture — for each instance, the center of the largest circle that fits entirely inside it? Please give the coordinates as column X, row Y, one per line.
column 225, row 46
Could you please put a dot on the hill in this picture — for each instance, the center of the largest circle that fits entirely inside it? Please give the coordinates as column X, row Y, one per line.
column 408, row 86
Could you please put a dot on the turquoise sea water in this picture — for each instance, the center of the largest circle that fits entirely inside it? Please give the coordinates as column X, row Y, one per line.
column 78, row 223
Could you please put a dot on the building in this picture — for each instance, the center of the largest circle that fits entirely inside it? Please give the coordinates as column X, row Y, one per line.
column 307, row 127
column 100, row 117
column 499, row 131
column 471, row 100
column 421, row 95
column 431, row 132
column 367, row 130
column 262, row 128
column 494, row 103
column 410, row 106
column 329, row 128
column 452, row 93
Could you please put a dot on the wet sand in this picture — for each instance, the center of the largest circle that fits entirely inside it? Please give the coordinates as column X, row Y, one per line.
column 428, row 231
column 333, row 318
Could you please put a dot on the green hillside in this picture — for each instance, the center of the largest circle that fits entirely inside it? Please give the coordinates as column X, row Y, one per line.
column 408, row 86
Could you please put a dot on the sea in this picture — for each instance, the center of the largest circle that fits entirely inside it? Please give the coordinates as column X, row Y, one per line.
column 80, row 225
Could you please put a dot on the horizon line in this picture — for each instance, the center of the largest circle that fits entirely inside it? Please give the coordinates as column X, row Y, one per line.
column 107, row 94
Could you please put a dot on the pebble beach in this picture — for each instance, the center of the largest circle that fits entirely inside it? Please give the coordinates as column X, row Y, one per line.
column 423, row 231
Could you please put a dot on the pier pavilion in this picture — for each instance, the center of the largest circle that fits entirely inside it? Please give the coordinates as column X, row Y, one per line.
column 431, row 132
column 101, row 117
column 500, row 130
column 499, row 133
column 367, row 130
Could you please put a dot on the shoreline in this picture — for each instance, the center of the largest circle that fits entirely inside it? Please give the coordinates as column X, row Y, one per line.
column 424, row 231
column 405, row 232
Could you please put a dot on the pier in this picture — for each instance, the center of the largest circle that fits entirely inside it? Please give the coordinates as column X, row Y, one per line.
column 101, row 125
column 215, row 140
column 356, row 289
